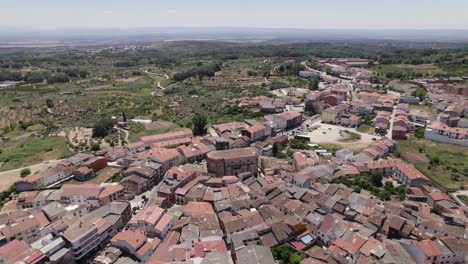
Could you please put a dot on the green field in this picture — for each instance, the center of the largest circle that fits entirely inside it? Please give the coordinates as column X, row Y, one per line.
column 31, row 151
column 409, row 69
column 350, row 136
column 135, row 134
column 445, row 164
column 463, row 198
column 365, row 128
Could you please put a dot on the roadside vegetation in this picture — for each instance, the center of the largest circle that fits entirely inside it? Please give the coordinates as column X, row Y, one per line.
column 445, row 164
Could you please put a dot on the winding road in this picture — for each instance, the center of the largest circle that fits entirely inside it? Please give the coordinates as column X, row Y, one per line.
column 158, row 74
column 159, row 83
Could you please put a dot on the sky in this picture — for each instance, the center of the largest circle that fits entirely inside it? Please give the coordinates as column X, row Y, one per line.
column 307, row 14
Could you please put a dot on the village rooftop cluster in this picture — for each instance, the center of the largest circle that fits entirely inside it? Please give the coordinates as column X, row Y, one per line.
column 245, row 190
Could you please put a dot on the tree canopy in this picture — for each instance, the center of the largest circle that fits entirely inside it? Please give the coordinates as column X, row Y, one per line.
column 103, row 127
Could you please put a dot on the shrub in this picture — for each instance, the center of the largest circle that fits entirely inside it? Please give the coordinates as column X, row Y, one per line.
column 25, row 172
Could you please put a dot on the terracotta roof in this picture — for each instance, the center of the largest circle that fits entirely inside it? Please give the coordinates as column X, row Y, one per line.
column 135, row 238
column 352, row 244
column 441, row 126
column 27, row 197
column 201, row 248
column 429, row 248
column 437, row 196
column 196, row 208
column 300, row 159
column 150, row 214
column 84, row 170
column 289, row 115
column 110, row 189
column 194, row 149
column 410, row 171
column 20, row 252
column 165, row 220
column 255, row 128
column 134, row 178
column 232, row 153
column 86, row 189
column 186, row 132
column 457, row 246
column 41, row 218
column 163, row 154
column 136, row 144
column 31, row 178
column 172, row 143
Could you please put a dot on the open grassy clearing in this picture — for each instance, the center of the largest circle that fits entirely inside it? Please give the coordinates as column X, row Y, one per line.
column 424, row 69
column 365, row 129
column 32, row 150
column 350, row 136
column 445, row 164
column 425, row 108
column 8, row 178
column 139, row 130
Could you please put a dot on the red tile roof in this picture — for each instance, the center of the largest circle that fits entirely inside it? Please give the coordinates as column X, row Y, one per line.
column 352, row 244
column 165, row 220
column 186, row 132
column 135, row 238
column 429, row 248
column 86, row 189
column 197, row 208
column 201, row 248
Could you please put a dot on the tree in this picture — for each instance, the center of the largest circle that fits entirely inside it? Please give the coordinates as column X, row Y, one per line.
column 58, row 78
column 295, row 258
column 103, row 127
column 419, row 132
column 421, row 93
column 49, row 103
column 376, row 180
column 368, row 119
column 199, row 124
column 95, row 147
column 25, row 172
column 36, row 77
column 434, row 160
column 9, row 76
column 313, row 84
column 275, row 150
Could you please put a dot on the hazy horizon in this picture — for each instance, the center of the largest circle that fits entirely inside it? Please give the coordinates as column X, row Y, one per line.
column 293, row 14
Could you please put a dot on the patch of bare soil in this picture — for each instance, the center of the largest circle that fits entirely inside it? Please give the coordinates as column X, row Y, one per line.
column 159, row 125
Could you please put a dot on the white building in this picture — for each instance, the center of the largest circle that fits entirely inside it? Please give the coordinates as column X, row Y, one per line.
column 440, row 132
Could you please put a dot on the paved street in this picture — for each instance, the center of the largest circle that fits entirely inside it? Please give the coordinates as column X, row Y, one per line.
column 136, row 202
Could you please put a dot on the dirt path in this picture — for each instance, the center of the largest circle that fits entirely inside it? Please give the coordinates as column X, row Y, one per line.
column 7, row 178
column 125, row 132
column 159, row 83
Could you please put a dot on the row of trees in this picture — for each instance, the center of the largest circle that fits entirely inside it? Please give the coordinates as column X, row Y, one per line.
column 200, row 71
column 291, row 69
column 39, row 76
